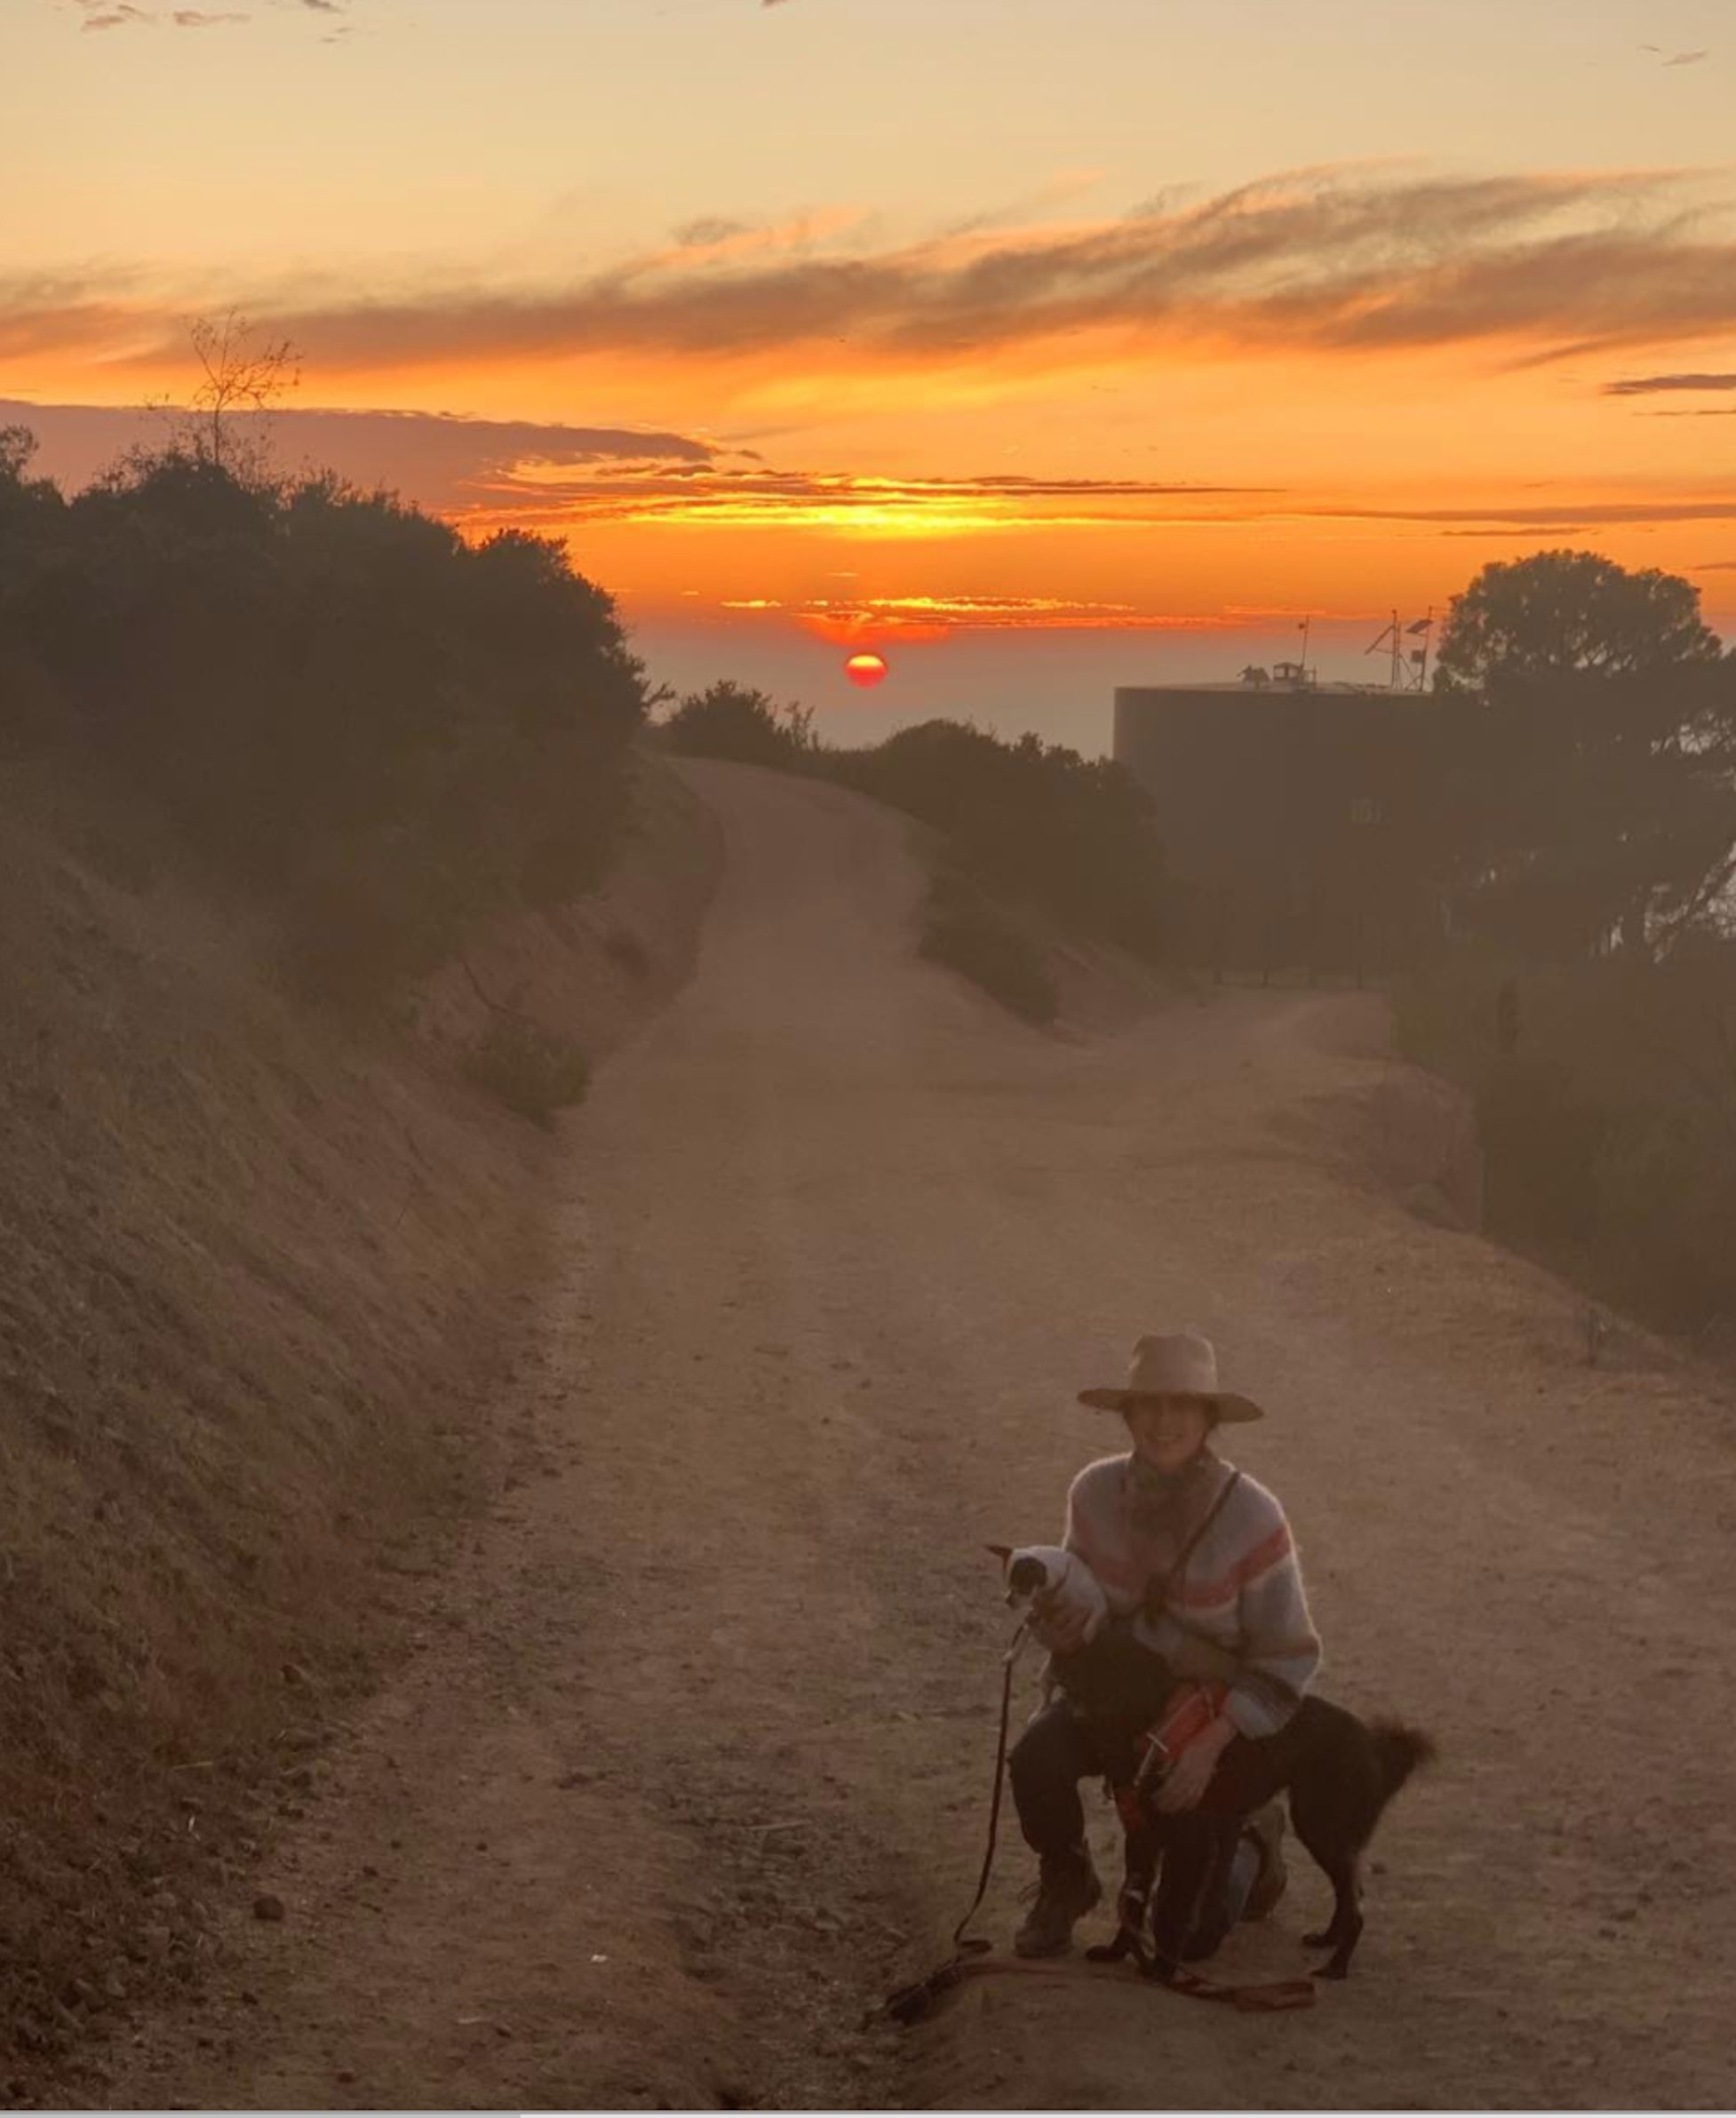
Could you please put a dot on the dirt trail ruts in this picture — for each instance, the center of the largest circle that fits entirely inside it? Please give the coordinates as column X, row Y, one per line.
column 692, row 1765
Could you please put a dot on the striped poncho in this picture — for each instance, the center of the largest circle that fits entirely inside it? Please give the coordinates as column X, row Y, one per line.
column 1239, row 1596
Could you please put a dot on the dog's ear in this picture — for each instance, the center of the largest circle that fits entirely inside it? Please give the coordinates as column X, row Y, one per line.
column 1003, row 1552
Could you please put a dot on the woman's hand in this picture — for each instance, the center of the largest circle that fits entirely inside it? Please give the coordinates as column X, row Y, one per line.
column 1192, row 1773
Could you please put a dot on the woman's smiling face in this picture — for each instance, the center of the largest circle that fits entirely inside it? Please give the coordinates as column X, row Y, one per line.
column 1168, row 1431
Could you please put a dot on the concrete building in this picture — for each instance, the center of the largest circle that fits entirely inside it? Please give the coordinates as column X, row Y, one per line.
column 1283, row 807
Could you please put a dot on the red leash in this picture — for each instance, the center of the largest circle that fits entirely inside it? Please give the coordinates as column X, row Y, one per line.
column 909, row 2003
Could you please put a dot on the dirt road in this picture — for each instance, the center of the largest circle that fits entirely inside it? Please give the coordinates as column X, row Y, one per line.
column 692, row 1765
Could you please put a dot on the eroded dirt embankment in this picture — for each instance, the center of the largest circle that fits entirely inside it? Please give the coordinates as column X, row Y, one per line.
column 258, row 1269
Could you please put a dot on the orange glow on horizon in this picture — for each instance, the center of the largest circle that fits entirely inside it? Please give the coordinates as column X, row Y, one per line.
column 1102, row 484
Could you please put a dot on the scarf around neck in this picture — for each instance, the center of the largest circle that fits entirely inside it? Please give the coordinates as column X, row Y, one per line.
column 1162, row 1502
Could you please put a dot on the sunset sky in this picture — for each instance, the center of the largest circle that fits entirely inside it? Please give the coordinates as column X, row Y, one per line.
column 1041, row 345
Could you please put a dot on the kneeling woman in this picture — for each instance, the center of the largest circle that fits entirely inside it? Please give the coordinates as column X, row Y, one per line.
column 1199, row 1567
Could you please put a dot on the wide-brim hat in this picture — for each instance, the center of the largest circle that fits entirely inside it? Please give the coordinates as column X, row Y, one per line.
column 1182, row 1366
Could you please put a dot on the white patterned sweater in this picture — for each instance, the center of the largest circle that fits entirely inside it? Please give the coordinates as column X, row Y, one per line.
column 1240, row 1593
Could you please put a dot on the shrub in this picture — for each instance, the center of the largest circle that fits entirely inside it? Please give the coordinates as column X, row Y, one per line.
column 748, row 727
column 307, row 681
column 1665, row 1184
column 971, row 937
column 350, row 935
column 1608, row 1129
column 529, row 1070
column 1029, row 820
column 1540, row 1142
column 570, row 863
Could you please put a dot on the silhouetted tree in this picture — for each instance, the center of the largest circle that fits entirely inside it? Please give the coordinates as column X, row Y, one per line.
column 1569, row 613
column 32, row 525
column 240, row 371
column 23, row 501
column 331, row 696
column 30, row 514
column 1588, row 777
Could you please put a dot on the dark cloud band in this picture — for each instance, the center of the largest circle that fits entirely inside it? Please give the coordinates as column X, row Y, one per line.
column 442, row 463
column 1649, row 386
column 1534, row 266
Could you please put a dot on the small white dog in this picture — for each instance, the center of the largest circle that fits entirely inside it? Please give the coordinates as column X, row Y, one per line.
column 1053, row 1584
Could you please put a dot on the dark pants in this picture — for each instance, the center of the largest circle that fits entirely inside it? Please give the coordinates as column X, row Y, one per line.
column 1205, row 1884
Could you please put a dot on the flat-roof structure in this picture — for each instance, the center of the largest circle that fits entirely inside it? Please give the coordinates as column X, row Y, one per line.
column 1277, row 803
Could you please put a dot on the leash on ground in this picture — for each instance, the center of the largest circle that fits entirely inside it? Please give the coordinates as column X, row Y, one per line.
column 912, row 2001
column 1270, row 1998
column 975, row 1945
column 970, row 1952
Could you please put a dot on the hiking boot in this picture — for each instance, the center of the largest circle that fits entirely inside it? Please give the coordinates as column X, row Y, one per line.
column 1067, row 1888
column 1265, row 1827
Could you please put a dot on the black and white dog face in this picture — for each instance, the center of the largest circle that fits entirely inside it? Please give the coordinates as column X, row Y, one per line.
column 1027, row 1575
column 1046, row 1580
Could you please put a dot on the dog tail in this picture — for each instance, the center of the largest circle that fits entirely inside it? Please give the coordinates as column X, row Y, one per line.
column 1402, row 1749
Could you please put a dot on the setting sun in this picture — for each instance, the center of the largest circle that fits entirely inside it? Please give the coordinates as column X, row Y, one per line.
column 866, row 670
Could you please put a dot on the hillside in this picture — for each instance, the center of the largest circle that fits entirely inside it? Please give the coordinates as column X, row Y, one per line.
column 263, row 1268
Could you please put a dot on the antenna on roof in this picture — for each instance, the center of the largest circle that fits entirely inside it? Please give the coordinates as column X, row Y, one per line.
column 1423, row 629
column 1410, row 666
column 1393, row 637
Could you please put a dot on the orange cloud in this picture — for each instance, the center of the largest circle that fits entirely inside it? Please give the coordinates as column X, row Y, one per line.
column 713, row 494
column 717, row 496
column 931, row 617
column 1531, row 265
column 716, row 242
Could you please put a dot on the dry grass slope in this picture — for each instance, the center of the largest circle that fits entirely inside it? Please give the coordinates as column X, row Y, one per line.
column 257, row 1267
